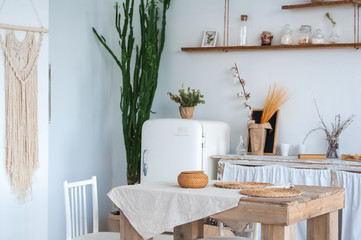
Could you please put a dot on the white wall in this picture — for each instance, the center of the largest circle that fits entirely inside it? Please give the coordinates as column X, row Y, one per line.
column 332, row 76
column 26, row 220
column 85, row 132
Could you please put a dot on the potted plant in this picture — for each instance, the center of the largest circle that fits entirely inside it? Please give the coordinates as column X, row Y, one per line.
column 139, row 64
column 187, row 100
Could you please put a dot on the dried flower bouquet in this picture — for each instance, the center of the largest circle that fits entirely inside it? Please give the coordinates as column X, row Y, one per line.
column 334, row 132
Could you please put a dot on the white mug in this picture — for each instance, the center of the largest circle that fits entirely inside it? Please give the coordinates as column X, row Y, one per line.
column 284, row 147
column 301, row 148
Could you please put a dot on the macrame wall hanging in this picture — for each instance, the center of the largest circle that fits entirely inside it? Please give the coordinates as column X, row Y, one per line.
column 21, row 100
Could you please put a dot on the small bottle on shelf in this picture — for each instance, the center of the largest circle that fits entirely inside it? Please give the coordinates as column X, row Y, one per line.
column 243, row 31
column 333, row 38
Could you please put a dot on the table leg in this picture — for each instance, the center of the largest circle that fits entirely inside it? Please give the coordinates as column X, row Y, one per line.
column 278, row 232
column 189, row 231
column 127, row 232
column 323, row 227
column 340, row 224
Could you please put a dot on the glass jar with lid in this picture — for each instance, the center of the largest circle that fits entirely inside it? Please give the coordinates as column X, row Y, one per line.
column 318, row 37
column 243, row 31
column 305, row 34
column 287, row 35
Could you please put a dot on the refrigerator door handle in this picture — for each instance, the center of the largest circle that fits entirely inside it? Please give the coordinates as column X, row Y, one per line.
column 145, row 165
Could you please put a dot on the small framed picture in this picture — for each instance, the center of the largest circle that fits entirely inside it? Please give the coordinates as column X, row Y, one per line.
column 209, row 38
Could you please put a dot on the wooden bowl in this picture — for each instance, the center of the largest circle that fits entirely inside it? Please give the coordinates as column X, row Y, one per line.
column 192, row 179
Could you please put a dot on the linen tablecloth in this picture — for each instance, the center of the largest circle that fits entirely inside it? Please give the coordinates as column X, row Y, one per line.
column 158, row 207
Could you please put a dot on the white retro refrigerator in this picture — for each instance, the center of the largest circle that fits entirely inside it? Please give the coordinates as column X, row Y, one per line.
column 170, row 146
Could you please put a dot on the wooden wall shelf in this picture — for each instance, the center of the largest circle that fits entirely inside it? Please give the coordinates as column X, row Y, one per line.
column 273, row 47
column 318, row 5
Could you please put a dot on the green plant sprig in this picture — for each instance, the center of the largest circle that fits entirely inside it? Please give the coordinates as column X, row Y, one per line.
column 330, row 18
column 191, row 98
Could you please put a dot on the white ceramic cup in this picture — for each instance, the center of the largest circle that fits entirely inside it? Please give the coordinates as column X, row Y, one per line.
column 284, row 147
column 301, row 148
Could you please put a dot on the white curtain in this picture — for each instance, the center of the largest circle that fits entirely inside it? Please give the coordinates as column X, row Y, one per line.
column 351, row 214
column 279, row 174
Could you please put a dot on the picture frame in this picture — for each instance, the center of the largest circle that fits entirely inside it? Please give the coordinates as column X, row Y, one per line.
column 271, row 138
column 209, row 38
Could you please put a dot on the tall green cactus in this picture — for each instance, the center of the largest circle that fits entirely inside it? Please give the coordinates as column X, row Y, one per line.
column 138, row 89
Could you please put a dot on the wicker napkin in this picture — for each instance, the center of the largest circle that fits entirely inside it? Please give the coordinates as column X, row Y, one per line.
column 158, row 207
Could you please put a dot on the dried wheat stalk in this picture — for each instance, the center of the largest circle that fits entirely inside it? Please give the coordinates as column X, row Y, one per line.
column 275, row 99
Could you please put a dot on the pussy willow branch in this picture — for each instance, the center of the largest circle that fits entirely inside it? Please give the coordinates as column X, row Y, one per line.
column 308, row 134
column 324, row 127
column 336, row 128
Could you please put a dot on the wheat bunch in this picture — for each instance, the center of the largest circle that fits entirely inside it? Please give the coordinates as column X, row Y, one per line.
column 275, row 99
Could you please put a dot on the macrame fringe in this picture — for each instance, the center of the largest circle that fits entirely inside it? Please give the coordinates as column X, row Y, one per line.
column 21, row 99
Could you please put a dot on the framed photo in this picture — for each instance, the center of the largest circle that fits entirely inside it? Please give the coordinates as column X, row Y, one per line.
column 271, row 138
column 209, row 38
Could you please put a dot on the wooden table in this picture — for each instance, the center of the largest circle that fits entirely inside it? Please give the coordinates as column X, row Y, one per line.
column 278, row 217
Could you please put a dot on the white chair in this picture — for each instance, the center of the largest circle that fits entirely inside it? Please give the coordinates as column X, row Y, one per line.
column 76, row 212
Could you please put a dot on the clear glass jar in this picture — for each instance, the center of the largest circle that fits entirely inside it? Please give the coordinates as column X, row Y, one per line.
column 333, row 38
column 287, row 35
column 305, row 34
column 332, row 147
column 243, row 31
column 318, row 37
column 241, row 149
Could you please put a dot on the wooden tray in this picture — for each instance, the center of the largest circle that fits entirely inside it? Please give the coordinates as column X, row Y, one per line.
column 351, row 157
column 312, row 156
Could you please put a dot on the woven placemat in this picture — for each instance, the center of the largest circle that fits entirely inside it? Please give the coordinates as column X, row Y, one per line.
column 272, row 192
column 242, row 185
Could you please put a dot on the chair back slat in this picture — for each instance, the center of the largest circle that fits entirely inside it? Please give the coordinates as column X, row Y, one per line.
column 81, row 232
column 76, row 208
column 85, row 211
column 72, row 211
column 76, row 203
column 95, row 205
